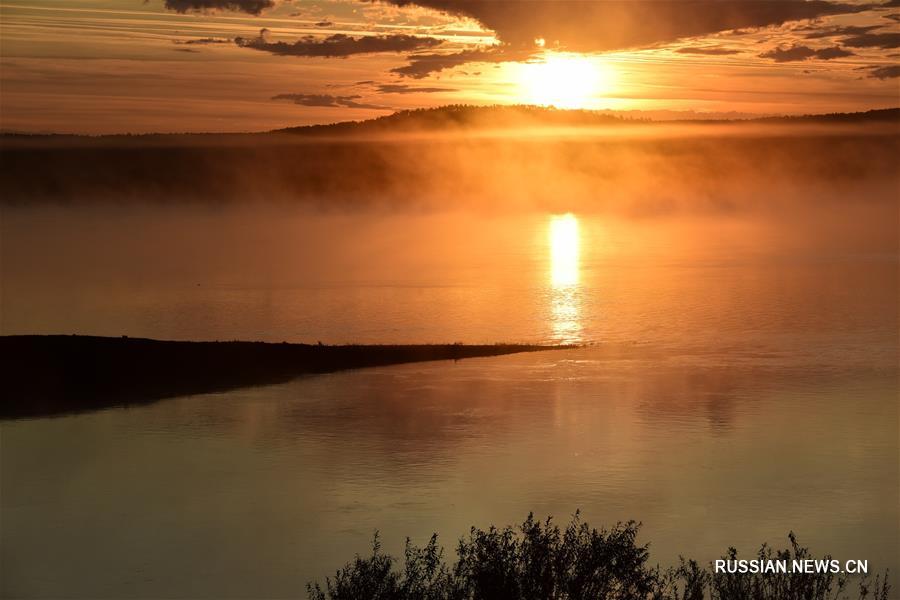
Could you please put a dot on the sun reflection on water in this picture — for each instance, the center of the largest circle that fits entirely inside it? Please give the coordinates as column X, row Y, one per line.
column 565, row 272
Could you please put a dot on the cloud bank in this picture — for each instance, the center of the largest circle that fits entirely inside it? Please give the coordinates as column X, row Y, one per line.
column 708, row 50
column 874, row 40
column 338, row 45
column 797, row 53
column 328, row 100
column 253, row 7
column 422, row 65
column 838, row 31
column 402, row 88
column 618, row 24
column 889, row 72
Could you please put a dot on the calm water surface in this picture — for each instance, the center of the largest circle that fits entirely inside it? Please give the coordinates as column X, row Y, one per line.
column 740, row 382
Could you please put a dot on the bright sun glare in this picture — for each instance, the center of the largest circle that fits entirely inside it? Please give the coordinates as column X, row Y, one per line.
column 564, row 250
column 563, row 81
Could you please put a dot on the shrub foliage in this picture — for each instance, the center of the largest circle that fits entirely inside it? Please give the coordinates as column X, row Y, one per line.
column 540, row 561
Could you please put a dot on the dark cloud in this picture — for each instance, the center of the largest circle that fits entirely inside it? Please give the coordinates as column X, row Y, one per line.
column 422, row 65
column 889, row 72
column 796, row 53
column 617, row 24
column 833, row 52
column 789, row 54
column 203, row 41
column 338, row 45
column 324, row 23
column 836, row 31
column 327, row 100
column 893, row 17
column 402, row 88
column 873, row 40
column 254, row 7
column 707, row 50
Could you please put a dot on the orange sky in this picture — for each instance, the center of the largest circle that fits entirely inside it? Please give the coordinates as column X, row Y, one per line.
column 101, row 66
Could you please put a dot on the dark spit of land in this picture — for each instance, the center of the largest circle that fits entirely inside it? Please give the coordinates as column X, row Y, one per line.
column 59, row 374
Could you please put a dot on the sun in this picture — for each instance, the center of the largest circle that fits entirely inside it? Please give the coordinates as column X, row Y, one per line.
column 563, row 81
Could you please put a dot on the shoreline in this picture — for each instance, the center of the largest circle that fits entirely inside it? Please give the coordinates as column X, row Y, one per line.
column 51, row 375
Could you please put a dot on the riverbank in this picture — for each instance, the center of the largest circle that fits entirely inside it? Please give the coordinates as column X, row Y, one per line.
column 58, row 374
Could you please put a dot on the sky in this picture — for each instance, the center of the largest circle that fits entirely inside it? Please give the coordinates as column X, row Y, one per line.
column 134, row 66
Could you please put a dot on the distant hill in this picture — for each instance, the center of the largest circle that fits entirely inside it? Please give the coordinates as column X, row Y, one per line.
column 883, row 114
column 458, row 117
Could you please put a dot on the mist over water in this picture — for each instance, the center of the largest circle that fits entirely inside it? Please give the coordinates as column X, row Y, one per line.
column 738, row 298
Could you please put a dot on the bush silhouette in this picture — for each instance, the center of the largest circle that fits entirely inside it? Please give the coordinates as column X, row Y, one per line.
column 539, row 561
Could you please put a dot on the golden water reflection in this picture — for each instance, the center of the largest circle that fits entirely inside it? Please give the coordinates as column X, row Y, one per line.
column 565, row 275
